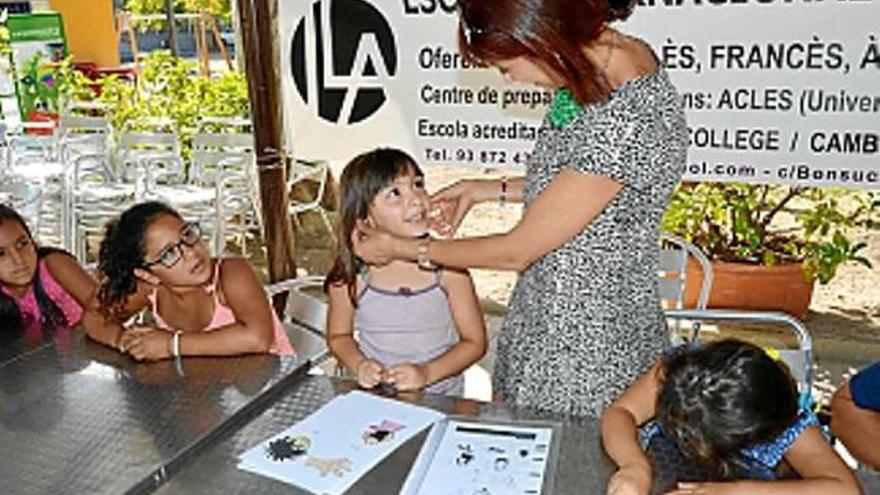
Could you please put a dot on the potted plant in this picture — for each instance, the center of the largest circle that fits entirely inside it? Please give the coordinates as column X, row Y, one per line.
column 769, row 244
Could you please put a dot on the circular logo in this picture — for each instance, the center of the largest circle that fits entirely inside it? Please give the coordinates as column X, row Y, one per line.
column 352, row 54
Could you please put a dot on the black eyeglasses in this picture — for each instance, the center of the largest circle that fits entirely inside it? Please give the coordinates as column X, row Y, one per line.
column 190, row 234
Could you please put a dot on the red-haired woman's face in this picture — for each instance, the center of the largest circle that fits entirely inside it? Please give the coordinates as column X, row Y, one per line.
column 525, row 70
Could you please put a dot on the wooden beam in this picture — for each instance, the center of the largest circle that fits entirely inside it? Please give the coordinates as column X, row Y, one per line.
column 172, row 27
column 258, row 22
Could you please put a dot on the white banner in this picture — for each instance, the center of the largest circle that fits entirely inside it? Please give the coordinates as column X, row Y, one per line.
column 782, row 91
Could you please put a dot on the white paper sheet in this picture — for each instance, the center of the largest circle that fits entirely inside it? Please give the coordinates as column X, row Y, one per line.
column 476, row 458
column 344, row 439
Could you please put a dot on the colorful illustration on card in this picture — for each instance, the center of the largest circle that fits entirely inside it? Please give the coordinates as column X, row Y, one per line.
column 381, row 432
column 337, row 466
column 288, row 448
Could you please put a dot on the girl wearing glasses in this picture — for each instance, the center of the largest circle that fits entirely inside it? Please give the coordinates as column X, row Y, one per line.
column 585, row 317
column 151, row 258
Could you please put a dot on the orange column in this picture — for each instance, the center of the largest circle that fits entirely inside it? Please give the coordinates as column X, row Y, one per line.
column 91, row 34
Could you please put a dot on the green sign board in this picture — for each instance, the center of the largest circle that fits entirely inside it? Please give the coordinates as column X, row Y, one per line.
column 38, row 44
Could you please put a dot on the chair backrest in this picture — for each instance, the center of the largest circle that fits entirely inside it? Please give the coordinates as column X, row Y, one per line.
column 83, row 135
column 159, row 149
column 26, row 198
column 304, row 317
column 308, row 170
column 799, row 360
column 674, row 254
column 23, row 148
column 215, row 154
column 301, row 307
column 217, row 124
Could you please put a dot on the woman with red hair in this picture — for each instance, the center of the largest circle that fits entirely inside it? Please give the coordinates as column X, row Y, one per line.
column 585, row 319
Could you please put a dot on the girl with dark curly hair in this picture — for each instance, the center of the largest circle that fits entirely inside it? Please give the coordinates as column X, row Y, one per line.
column 151, row 258
column 732, row 410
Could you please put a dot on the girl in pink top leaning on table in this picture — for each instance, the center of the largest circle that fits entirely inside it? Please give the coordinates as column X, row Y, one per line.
column 41, row 289
column 151, row 258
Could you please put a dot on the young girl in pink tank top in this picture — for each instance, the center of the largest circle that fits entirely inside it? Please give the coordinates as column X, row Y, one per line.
column 151, row 258
column 409, row 325
column 40, row 288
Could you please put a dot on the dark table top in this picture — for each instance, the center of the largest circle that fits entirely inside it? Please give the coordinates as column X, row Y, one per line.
column 79, row 417
column 581, row 466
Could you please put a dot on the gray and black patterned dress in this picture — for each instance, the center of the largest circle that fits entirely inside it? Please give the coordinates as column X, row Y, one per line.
column 585, row 320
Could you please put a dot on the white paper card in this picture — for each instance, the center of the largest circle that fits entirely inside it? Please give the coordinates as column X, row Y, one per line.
column 468, row 458
column 332, row 448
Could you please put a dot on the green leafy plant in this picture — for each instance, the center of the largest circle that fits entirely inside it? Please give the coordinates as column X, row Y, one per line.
column 172, row 87
column 769, row 225
column 220, row 9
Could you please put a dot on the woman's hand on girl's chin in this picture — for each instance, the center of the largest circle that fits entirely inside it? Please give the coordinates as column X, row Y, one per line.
column 372, row 245
column 450, row 205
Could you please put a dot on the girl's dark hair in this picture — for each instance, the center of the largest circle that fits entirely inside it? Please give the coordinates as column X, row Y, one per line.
column 552, row 32
column 364, row 176
column 122, row 250
column 718, row 399
column 53, row 317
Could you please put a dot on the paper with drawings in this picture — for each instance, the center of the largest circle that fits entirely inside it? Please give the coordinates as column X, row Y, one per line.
column 332, row 448
column 476, row 458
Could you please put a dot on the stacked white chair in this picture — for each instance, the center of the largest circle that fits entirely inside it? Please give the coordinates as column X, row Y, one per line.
column 223, row 158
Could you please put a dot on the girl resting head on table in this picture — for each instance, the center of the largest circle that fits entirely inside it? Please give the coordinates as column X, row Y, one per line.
column 731, row 409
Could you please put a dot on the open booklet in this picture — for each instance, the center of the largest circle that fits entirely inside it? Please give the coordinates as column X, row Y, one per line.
column 331, row 449
column 465, row 456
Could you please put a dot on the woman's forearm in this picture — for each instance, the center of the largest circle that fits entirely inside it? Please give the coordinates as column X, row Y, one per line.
column 498, row 252
column 488, row 190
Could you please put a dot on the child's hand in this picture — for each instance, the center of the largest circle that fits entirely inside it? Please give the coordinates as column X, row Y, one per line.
column 407, row 376
column 369, row 373
column 630, row 479
column 146, row 343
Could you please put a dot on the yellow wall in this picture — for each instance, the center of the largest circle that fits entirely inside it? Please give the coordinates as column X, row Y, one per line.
column 90, row 30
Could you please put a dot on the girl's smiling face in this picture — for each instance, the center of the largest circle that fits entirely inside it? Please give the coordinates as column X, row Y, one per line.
column 175, row 253
column 18, row 257
column 401, row 207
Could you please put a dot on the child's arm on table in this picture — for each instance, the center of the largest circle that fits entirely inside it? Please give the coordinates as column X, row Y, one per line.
column 620, row 438
column 340, row 338
column 252, row 331
column 822, row 472
column 471, row 346
column 84, row 288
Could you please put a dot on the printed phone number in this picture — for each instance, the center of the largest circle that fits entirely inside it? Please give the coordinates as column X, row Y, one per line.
column 467, row 155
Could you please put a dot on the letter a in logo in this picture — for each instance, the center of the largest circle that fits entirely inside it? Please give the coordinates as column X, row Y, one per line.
column 342, row 55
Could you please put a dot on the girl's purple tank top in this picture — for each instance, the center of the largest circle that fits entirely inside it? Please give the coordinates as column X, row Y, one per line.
column 407, row 326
